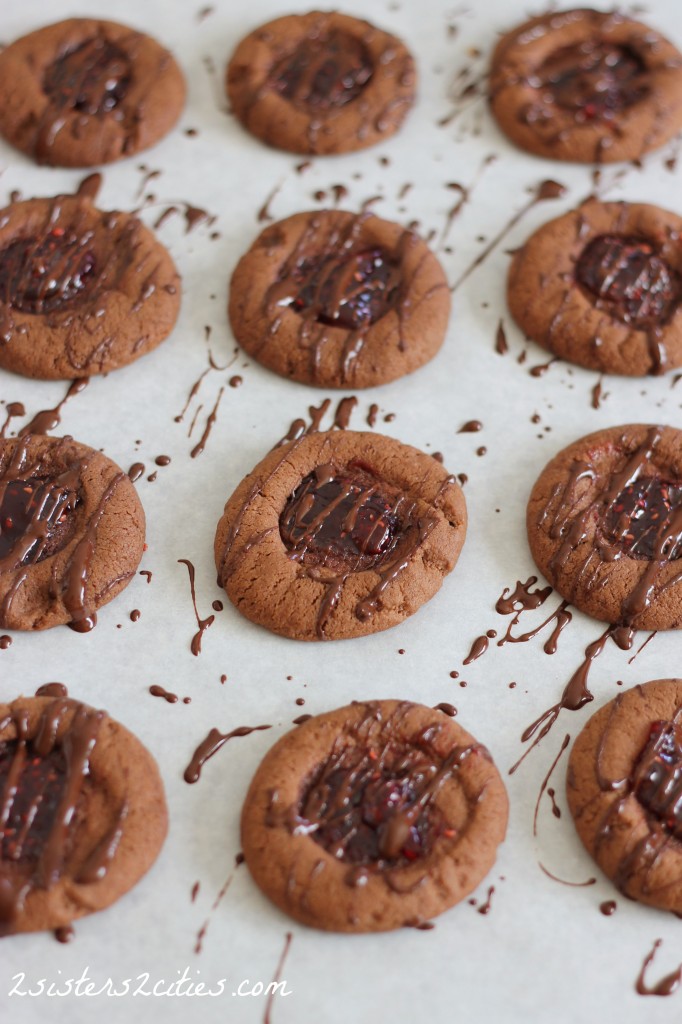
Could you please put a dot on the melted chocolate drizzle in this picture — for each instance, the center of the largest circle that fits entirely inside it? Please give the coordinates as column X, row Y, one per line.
column 627, row 278
column 91, row 79
column 211, row 745
column 42, row 776
column 593, row 79
column 52, row 272
column 324, row 71
column 666, row 986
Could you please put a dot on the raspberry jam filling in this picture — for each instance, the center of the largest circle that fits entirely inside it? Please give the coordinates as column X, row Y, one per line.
column 629, row 279
column 657, row 778
column 645, row 520
column 340, row 520
column 35, row 519
column 369, row 807
column 323, row 71
column 45, row 275
column 92, row 79
column 593, row 79
column 352, row 291
column 28, row 808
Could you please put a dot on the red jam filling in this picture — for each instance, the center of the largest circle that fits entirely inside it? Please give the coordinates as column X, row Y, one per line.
column 323, row 71
column 92, row 79
column 342, row 521
column 44, row 275
column 657, row 778
column 28, row 815
column 629, row 279
column 35, row 518
column 351, row 291
column 367, row 807
column 594, row 79
column 643, row 522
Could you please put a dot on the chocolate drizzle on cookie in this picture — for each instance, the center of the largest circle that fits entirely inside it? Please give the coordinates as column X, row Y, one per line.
column 42, row 515
column 373, row 802
column 325, row 70
column 657, row 776
column 42, row 275
column 43, row 773
column 638, row 514
column 628, row 279
column 91, row 78
column 593, row 80
column 343, row 521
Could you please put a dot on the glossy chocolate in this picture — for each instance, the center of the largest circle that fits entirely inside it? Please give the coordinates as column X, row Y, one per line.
column 639, row 519
column 593, row 79
column 38, row 784
column 92, row 79
column 368, row 806
column 657, row 777
column 36, row 517
column 340, row 519
column 629, row 280
column 323, row 71
column 351, row 291
column 44, row 275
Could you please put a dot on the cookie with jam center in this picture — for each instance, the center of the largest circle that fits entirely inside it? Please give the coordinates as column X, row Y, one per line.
column 82, row 291
column 84, row 92
column 83, row 811
column 601, row 286
column 586, row 86
column 605, row 525
column 374, row 816
column 338, row 535
column 337, row 299
column 321, row 83
column 624, row 788
column 72, row 532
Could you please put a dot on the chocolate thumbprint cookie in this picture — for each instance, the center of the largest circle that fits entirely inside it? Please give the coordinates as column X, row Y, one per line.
column 82, row 811
column 338, row 535
column 84, row 92
column 375, row 816
column 586, row 85
column 337, row 299
column 321, row 83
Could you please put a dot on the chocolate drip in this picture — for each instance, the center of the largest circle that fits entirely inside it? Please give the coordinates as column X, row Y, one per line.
column 49, row 273
column 594, row 80
column 666, row 986
column 49, row 419
column 657, row 778
column 12, row 409
column 202, row 624
column 41, row 782
column 211, row 745
column 545, row 781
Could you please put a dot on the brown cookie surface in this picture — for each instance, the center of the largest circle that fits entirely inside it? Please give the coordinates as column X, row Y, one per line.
column 337, row 299
column 624, row 784
column 83, row 92
column 587, row 86
column 83, row 812
column 71, row 532
column 605, row 525
column 601, row 286
column 339, row 535
column 321, row 83
column 374, row 816
column 82, row 291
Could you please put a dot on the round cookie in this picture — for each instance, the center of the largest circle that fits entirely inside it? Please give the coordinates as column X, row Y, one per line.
column 338, row 535
column 601, row 287
column 83, row 92
column 71, row 532
column 624, row 786
column 587, row 86
column 375, row 816
column 337, row 299
column 605, row 525
column 321, row 83
column 83, row 813
column 82, row 291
